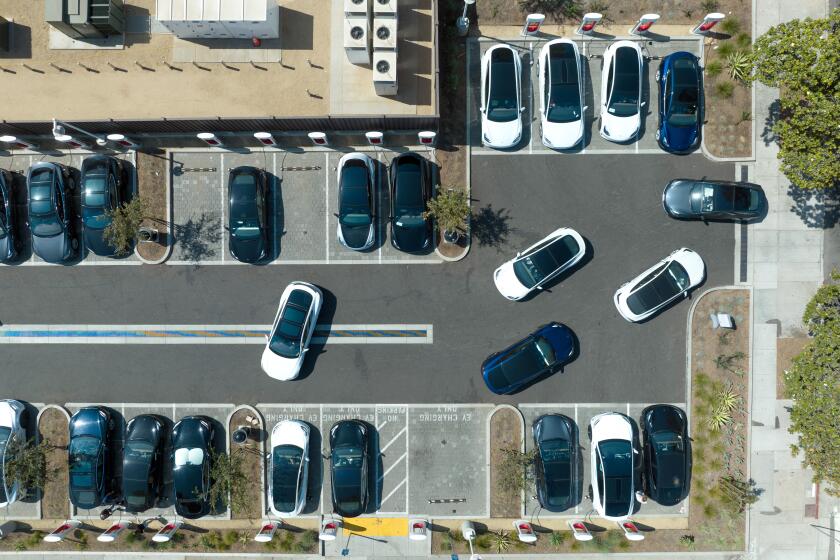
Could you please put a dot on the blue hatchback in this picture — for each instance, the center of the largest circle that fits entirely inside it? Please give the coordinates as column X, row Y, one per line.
column 540, row 353
column 679, row 102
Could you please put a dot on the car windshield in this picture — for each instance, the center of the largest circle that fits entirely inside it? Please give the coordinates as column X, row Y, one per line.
column 288, row 335
column 537, row 266
column 354, row 207
column 684, row 98
column 669, row 283
column 617, row 467
column 747, row 199
column 564, row 100
column 501, row 103
column 556, row 455
column 285, row 465
column 244, row 214
column 408, row 199
column 624, row 98
column 93, row 202
column 137, row 456
column 84, row 451
column 669, row 451
column 522, row 362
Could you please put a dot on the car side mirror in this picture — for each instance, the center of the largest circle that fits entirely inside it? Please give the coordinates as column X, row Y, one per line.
column 265, row 336
column 482, row 109
column 539, row 288
column 519, row 254
column 644, row 103
column 522, row 109
column 305, row 350
column 335, row 214
column 585, row 108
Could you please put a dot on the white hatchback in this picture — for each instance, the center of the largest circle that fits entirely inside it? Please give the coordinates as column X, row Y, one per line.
column 12, row 436
column 561, row 94
column 541, row 262
column 621, row 91
column 501, row 97
column 288, row 469
column 614, row 458
column 294, row 325
column 652, row 290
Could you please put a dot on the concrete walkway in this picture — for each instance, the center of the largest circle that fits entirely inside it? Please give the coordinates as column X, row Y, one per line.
column 785, row 266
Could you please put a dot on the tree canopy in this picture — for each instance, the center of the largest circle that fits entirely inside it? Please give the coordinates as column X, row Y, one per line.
column 813, row 382
column 802, row 58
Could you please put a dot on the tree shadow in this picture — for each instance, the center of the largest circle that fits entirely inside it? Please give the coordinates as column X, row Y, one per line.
column 816, row 208
column 774, row 113
column 198, row 237
column 490, row 227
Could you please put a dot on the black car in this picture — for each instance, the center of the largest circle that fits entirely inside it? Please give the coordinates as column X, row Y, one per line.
column 356, row 227
column 51, row 215
column 90, row 455
column 192, row 442
column 349, row 467
column 411, row 189
column 556, row 462
column 9, row 242
column 248, row 214
column 142, row 462
column 103, row 191
column 667, row 454
column 690, row 199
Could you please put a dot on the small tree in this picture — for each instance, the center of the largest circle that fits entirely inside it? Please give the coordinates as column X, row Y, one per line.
column 450, row 208
column 27, row 463
column 229, row 485
column 515, row 470
column 125, row 222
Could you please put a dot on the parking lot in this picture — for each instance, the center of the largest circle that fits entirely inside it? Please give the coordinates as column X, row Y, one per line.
column 591, row 51
column 302, row 205
column 20, row 164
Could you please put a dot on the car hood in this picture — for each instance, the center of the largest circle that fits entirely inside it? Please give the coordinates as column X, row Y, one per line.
column 7, row 415
column 562, row 135
column 356, row 237
column 53, row 249
column 501, row 134
column 611, row 426
column 679, row 137
column 279, row 367
column 410, row 239
column 552, row 426
column 561, row 340
column 290, row 432
column 508, row 284
column 247, row 250
column 620, row 129
column 95, row 241
column 677, row 198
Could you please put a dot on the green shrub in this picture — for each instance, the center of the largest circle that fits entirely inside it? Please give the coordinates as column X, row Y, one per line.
column 308, row 539
column 20, row 546
column 500, row 541
column 687, row 541
column 725, row 49
column 709, row 5
column 714, row 68
column 743, row 40
column 740, row 68
column 730, row 26
column 724, row 90
column 558, row 538
column 484, row 541
column 230, row 537
column 214, row 541
column 35, row 538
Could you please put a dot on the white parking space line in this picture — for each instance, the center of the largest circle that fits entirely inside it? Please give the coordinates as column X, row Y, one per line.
column 321, row 430
column 380, row 231
column 379, row 426
column 531, row 98
column 407, row 462
column 327, row 207
column 276, row 262
column 395, row 438
column 397, row 462
column 394, row 491
column 222, row 190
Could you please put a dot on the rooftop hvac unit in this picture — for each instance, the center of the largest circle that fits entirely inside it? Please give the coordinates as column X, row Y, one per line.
column 384, row 7
column 385, row 72
column 357, row 39
column 85, row 19
column 385, row 33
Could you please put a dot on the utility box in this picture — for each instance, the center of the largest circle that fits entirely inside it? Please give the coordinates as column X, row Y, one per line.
column 86, row 19
column 220, row 19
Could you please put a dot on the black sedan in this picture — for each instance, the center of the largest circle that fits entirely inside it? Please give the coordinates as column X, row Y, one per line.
column 667, row 453
column 411, row 189
column 89, row 457
column 51, row 212
column 103, row 191
column 356, row 227
column 9, row 242
column 143, row 462
column 192, row 442
column 349, row 467
column 556, row 462
column 691, row 199
column 248, row 214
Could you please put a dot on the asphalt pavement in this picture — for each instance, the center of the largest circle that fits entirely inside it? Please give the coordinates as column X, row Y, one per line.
column 612, row 200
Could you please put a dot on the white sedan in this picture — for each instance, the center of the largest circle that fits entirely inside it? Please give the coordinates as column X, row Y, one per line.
column 652, row 290
column 12, row 435
column 288, row 468
column 561, row 94
column 541, row 262
column 621, row 91
column 501, row 97
column 294, row 325
column 614, row 458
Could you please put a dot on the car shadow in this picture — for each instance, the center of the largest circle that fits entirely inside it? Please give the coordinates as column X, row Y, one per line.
column 638, row 462
column 276, row 217
column 375, row 476
column 315, row 480
column 322, row 331
column 113, row 492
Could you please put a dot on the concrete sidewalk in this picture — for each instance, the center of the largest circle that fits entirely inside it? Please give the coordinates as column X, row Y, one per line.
column 785, row 267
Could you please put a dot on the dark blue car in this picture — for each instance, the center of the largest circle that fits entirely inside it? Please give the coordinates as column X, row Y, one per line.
column 89, row 456
column 542, row 352
column 679, row 103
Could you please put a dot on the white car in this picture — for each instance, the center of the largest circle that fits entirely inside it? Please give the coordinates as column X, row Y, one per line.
column 621, row 91
column 561, row 94
column 288, row 469
column 12, row 435
column 671, row 278
column 356, row 225
column 541, row 262
column 501, row 97
column 614, row 458
column 294, row 325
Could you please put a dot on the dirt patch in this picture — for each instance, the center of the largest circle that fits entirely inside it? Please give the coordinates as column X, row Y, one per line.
column 53, row 428
column 152, row 170
column 505, row 433
column 786, row 350
column 253, row 463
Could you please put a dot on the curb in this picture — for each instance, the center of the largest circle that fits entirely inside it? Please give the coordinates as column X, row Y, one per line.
column 259, row 416
column 521, row 449
column 169, row 237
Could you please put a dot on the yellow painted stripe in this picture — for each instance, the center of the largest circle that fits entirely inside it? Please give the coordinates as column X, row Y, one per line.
column 376, row 526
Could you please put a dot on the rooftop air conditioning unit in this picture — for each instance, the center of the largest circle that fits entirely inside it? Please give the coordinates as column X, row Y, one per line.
column 384, row 7
column 357, row 39
column 86, row 19
column 385, row 72
column 385, row 33
column 357, row 7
